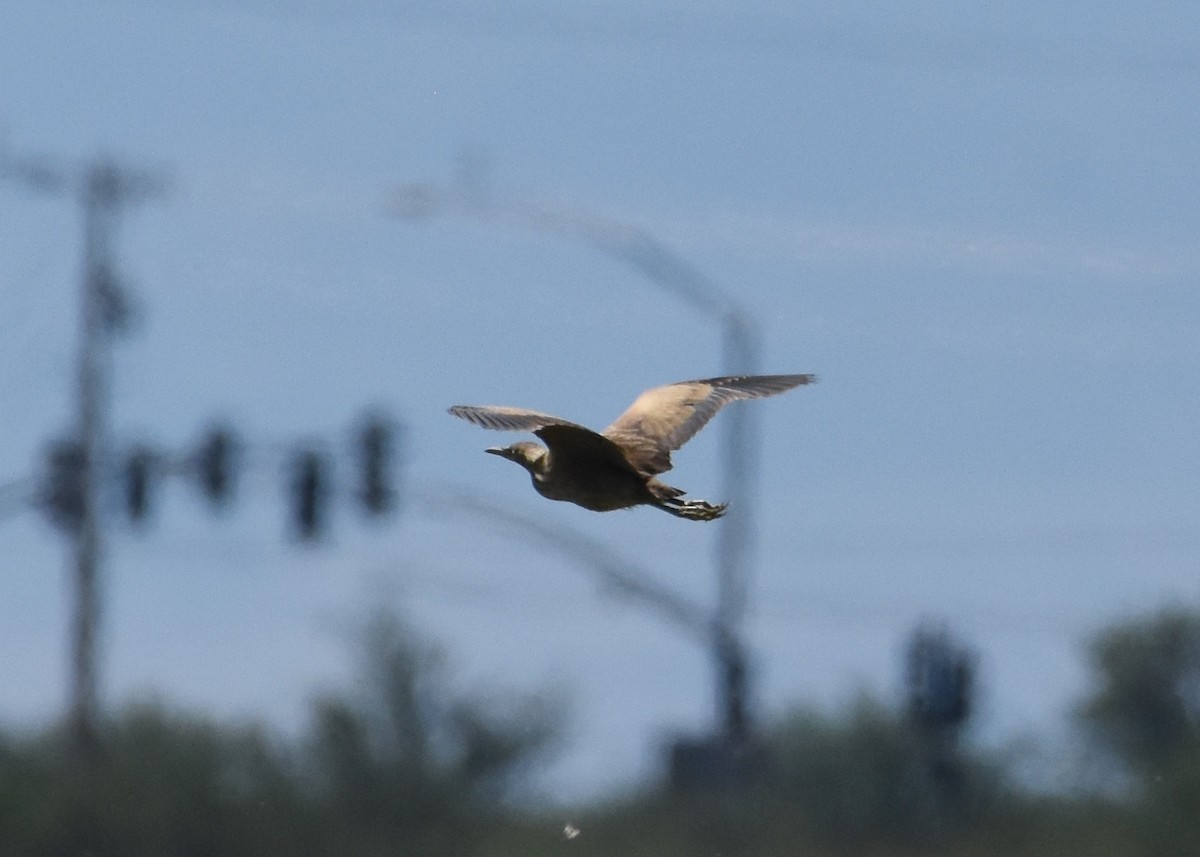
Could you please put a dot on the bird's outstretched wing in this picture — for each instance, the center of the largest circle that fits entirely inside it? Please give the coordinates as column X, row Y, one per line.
column 578, row 448
column 501, row 418
column 663, row 419
column 569, row 442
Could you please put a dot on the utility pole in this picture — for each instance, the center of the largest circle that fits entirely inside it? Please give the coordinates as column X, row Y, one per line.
column 102, row 189
column 106, row 188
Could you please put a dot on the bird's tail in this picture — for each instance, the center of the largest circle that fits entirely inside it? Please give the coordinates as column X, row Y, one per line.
column 692, row 510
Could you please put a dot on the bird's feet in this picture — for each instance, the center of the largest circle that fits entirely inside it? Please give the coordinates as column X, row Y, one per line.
column 693, row 510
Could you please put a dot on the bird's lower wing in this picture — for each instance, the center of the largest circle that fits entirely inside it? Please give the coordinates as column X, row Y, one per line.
column 501, row 418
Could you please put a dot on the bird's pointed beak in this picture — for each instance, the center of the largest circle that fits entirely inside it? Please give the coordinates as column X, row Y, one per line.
column 498, row 450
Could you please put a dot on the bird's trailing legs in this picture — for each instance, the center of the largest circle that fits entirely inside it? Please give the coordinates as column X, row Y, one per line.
column 692, row 510
column 668, row 498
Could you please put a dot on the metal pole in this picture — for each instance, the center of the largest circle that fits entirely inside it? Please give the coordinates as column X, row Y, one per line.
column 740, row 339
column 735, row 539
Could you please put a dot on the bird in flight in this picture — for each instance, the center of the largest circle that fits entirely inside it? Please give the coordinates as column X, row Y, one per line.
column 617, row 468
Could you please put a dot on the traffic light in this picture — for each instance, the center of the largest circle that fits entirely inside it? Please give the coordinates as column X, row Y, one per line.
column 310, row 492
column 941, row 675
column 376, row 453
column 62, row 494
column 216, row 461
column 138, row 474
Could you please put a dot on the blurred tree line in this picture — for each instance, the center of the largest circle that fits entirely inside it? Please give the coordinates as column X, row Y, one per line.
column 403, row 764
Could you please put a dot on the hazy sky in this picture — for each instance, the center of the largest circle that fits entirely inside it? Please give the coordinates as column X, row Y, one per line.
column 978, row 228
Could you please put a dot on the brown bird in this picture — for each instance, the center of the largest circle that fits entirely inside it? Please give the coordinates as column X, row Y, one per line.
column 616, row 468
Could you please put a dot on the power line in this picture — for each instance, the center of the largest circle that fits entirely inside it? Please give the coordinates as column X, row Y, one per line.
column 883, row 43
column 613, row 570
column 15, row 497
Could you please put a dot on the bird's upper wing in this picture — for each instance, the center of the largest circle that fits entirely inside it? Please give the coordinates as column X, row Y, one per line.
column 663, row 419
column 576, row 447
column 567, row 441
column 503, row 418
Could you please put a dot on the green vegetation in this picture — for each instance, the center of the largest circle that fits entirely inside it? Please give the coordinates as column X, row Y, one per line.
column 403, row 765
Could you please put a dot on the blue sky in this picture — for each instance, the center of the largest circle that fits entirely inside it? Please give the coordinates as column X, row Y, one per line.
column 979, row 228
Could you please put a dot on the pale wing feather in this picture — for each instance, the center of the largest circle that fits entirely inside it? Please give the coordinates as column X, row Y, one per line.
column 663, row 419
column 503, row 418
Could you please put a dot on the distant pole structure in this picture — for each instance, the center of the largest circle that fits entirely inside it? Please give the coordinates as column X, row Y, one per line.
column 470, row 197
column 941, row 678
column 103, row 189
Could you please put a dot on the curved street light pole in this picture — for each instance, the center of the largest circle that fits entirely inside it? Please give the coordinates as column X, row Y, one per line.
column 740, row 356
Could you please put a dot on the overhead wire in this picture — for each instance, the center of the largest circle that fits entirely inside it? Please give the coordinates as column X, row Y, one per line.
column 16, row 496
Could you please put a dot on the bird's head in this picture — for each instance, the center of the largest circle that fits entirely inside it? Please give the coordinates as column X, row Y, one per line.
column 530, row 455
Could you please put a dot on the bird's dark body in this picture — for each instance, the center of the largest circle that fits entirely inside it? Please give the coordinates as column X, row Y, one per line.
column 604, row 488
column 616, row 468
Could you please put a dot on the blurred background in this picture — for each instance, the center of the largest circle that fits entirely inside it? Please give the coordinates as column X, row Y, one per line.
column 255, row 575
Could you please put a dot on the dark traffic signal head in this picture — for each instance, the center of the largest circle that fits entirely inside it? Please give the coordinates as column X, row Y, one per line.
column 139, row 473
column 310, row 491
column 216, row 464
column 376, row 453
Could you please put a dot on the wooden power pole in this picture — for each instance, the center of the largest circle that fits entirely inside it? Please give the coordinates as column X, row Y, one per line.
column 102, row 189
